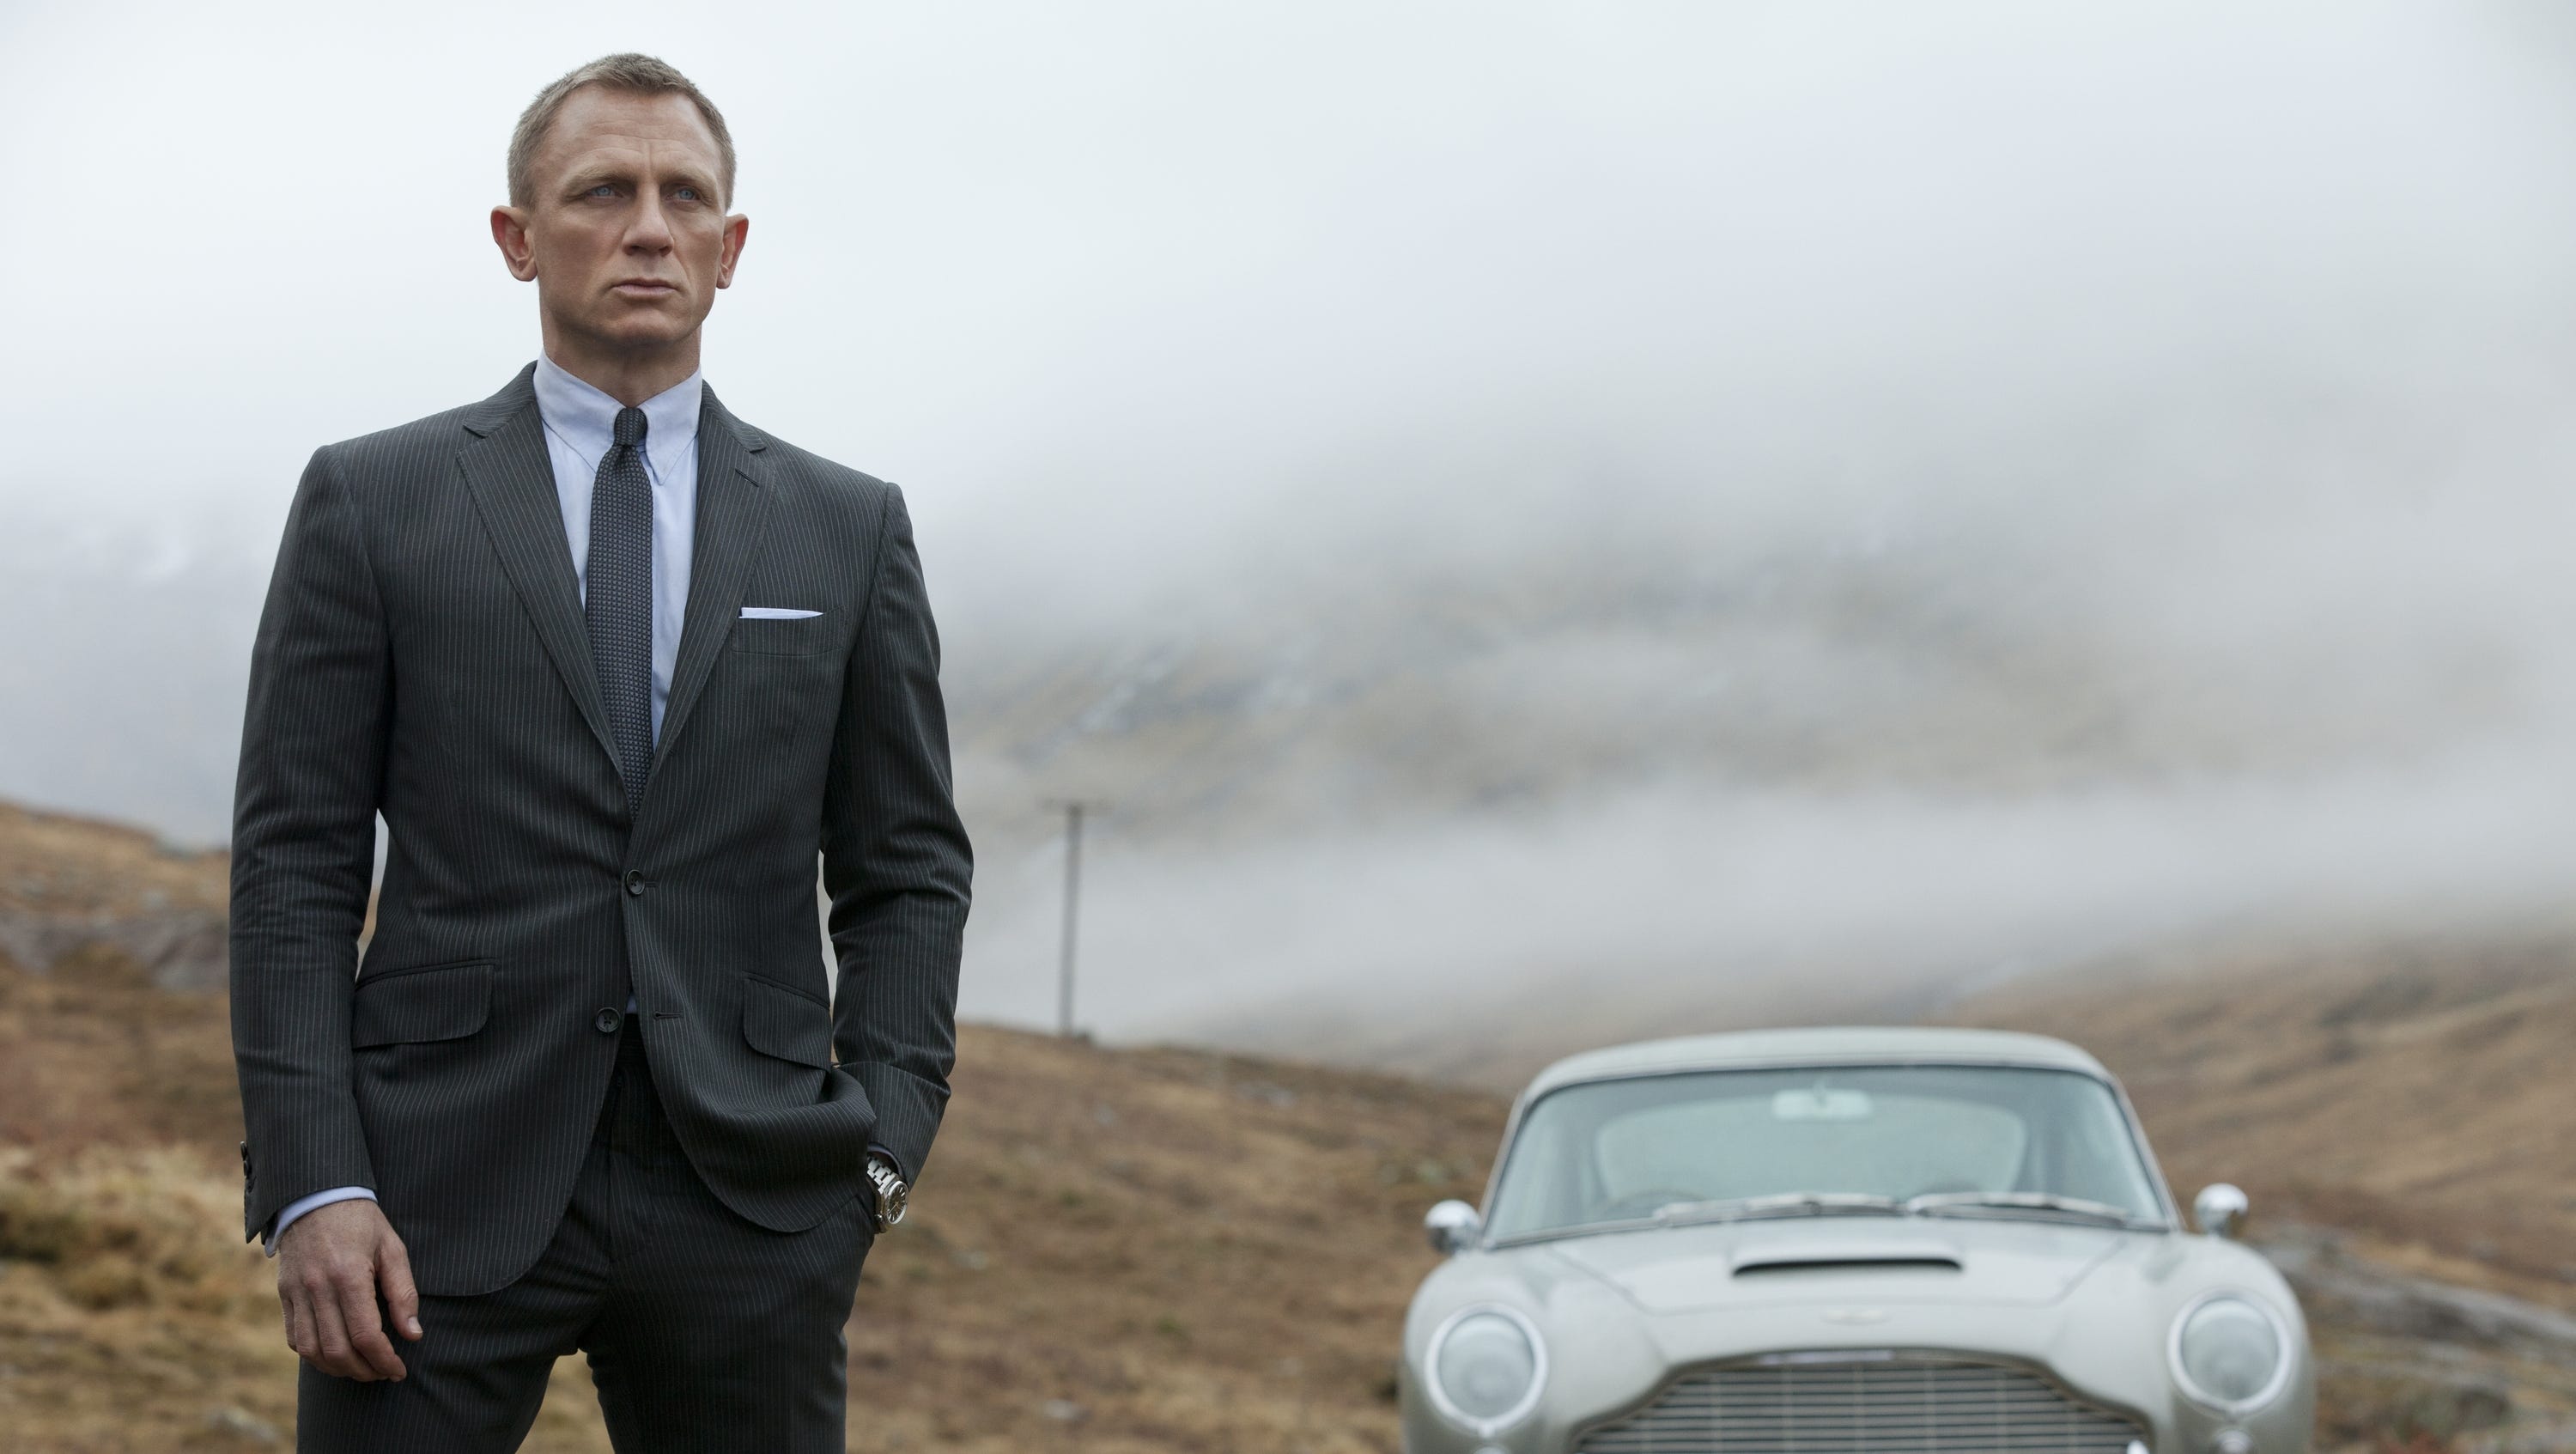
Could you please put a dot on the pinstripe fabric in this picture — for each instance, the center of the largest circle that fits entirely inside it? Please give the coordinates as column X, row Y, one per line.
column 705, row 1334
column 423, row 655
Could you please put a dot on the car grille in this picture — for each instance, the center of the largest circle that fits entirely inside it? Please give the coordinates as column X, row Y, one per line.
column 1892, row 1404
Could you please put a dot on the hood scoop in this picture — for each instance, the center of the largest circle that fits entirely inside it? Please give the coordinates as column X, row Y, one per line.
column 1683, row 1269
column 1776, row 1265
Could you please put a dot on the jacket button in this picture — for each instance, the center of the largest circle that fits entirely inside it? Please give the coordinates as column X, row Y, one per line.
column 635, row 882
column 607, row 1020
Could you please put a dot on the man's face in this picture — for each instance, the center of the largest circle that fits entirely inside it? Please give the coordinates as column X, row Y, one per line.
column 626, row 236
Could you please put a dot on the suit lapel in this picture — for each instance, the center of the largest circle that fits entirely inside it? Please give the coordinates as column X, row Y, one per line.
column 513, row 481
column 733, row 509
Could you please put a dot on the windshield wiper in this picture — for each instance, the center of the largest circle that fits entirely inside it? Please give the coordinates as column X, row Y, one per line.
column 1933, row 1204
column 1851, row 1204
column 1782, row 1204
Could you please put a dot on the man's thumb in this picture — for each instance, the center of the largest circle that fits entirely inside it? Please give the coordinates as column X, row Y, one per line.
column 393, row 1274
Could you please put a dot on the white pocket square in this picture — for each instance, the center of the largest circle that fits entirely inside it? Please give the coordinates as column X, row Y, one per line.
column 776, row 613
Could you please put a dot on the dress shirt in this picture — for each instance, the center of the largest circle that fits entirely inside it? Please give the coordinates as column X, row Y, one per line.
column 581, row 427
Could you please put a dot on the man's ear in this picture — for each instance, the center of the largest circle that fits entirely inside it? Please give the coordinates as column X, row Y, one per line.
column 510, row 234
column 736, row 228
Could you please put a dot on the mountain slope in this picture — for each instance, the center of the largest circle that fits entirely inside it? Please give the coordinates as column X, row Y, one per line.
column 1153, row 1249
column 1170, row 1249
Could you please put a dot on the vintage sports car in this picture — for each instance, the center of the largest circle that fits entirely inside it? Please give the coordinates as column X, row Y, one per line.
column 1844, row 1241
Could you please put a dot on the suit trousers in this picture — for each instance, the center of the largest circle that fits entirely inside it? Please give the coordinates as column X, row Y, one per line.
column 706, row 1334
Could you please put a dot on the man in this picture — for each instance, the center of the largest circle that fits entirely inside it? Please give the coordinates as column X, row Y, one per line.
column 614, row 667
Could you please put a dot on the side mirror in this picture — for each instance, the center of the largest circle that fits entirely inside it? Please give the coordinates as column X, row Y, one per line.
column 2220, row 1209
column 1453, row 1226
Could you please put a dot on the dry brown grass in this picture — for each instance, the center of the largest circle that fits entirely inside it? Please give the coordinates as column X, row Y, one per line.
column 2417, row 1090
column 1195, row 1251
column 53, row 862
column 2415, row 1094
column 93, row 1054
column 1111, row 1250
column 132, row 1319
column 1169, row 1250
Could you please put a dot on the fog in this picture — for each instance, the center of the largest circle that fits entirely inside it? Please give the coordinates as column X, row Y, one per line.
column 1552, row 505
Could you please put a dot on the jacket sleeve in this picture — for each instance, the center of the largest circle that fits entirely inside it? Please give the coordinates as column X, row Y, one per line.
column 304, row 809
column 896, row 863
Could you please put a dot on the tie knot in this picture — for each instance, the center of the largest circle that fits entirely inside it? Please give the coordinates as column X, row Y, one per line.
column 629, row 427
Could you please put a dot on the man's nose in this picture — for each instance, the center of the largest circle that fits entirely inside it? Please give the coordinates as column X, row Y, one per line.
column 650, row 231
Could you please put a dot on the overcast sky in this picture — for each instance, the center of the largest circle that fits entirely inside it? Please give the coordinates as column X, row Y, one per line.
column 1037, row 254
column 2240, row 334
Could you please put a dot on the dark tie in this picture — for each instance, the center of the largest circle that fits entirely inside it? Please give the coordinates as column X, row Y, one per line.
column 617, row 599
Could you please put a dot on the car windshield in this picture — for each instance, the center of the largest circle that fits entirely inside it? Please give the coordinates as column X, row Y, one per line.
column 1966, row 1139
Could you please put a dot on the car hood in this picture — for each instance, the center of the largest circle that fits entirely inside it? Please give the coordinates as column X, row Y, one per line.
column 1879, row 1260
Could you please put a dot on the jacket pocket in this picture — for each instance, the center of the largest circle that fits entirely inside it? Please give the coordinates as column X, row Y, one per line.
column 801, row 636
column 780, row 1021
column 431, row 1002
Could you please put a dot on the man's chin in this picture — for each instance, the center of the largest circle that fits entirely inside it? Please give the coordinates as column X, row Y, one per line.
column 642, row 330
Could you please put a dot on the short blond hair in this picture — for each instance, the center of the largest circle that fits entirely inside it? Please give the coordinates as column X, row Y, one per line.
column 637, row 75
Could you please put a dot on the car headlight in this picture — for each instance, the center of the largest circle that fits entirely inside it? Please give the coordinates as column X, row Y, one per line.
column 1486, row 1366
column 2230, row 1353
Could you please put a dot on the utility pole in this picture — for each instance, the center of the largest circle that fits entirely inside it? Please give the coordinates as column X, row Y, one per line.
column 1073, row 808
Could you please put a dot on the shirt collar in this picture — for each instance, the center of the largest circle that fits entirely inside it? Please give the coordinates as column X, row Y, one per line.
column 587, row 418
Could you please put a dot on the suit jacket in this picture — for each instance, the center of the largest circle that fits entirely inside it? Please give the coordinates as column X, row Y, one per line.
column 422, row 655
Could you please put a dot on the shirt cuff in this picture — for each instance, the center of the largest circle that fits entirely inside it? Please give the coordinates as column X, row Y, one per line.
column 287, row 1214
column 874, row 1149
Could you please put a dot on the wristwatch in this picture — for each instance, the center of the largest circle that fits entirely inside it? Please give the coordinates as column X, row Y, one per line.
column 891, row 1193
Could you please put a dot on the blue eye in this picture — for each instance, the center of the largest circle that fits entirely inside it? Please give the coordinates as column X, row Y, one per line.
column 604, row 189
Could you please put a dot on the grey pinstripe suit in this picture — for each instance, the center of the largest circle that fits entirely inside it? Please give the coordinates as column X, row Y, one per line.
column 422, row 655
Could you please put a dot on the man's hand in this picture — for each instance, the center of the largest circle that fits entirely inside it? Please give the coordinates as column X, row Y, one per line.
column 330, row 1262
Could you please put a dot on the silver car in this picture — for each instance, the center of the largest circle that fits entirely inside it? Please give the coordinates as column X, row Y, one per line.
column 1844, row 1240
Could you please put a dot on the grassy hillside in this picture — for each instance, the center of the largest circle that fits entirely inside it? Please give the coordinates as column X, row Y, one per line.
column 1155, row 1250
column 1111, row 1249
column 2399, row 1113
column 2419, row 1085
column 1166, row 1249
column 2422, row 1088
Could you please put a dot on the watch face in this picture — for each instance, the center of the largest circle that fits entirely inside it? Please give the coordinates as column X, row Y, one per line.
column 894, row 1202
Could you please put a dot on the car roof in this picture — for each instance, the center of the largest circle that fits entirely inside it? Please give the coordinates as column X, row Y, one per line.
column 1817, row 1045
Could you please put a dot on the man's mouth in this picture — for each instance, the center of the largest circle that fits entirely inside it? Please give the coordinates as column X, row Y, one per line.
column 644, row 287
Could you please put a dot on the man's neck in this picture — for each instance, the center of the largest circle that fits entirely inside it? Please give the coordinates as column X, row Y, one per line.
column 630, row 376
